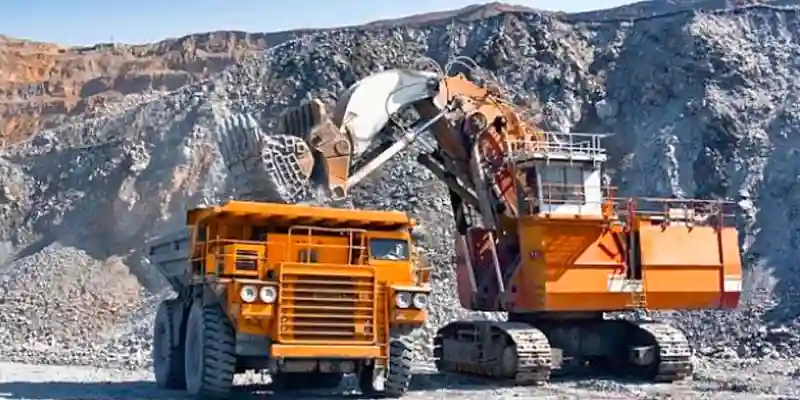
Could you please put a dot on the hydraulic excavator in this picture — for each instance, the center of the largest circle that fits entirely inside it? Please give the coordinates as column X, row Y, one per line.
column 538, row 236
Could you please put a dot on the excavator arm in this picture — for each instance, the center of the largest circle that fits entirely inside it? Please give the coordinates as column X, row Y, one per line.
column 315, row 146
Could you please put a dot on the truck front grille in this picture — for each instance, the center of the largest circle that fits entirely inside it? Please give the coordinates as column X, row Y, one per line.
column 317, row 308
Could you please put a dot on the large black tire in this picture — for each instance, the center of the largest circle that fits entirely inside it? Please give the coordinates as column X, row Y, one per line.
column 306, row 380
column 210, row 359
column 398, row 377
column 168, row 356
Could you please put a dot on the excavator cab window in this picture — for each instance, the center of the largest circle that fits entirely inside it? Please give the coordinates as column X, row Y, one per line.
column 563, row 184
column 388, row 249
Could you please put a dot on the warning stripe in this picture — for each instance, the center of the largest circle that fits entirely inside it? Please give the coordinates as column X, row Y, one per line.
column 732, row 283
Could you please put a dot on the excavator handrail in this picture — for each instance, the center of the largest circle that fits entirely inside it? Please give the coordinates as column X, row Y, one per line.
column 611, row 205
column 611, row 192
column 552, row 144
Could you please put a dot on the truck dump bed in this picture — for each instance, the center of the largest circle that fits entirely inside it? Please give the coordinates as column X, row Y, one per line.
column 169, row 254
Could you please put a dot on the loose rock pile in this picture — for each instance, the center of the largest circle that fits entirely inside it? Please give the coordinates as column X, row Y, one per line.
column 712, row 112
column 62, row 306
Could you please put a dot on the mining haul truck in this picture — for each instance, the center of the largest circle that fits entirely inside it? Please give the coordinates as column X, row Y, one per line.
column 538, row 235
column 305, row 293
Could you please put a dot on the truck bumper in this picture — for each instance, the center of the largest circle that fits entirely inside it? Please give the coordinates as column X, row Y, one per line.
column 324, row 351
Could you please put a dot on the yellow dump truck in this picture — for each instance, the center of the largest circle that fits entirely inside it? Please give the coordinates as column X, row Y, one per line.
column 305, row 293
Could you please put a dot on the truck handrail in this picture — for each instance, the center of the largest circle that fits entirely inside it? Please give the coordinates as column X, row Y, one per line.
column 421, row 271
column 350, row 238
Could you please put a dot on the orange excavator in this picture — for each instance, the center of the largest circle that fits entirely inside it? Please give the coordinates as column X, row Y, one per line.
column 538, row 236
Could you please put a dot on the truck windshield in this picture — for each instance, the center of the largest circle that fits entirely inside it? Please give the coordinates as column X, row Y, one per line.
column 388, row 249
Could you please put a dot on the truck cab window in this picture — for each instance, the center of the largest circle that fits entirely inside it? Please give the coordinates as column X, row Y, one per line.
column 259, row 233
column 388, row 249
column 201, row 233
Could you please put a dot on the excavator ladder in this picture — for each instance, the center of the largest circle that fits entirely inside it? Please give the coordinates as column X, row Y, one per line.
column 639, row 297
column 634, row 275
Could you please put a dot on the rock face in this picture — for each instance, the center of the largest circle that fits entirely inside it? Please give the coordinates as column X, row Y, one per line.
column 703, row 104
column 41, row 84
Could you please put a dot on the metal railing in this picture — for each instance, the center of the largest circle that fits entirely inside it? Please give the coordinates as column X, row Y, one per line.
column 305, row 253
column 556, row 194
column 556, row 144
column 216, row 247
column 308, row 245
column 304, row 250
column 655, row 209
column 666, row 211
column 420, row 270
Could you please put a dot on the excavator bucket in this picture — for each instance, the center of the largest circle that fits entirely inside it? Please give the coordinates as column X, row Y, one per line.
column 330, row 146
column 263, row 167
column 306, row 151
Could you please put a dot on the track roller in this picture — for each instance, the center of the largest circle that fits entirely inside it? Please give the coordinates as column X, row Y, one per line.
column 510, row 351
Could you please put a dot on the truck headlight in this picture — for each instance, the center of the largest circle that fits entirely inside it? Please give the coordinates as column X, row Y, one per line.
column 248, row 294
column 420, row 301
column 268, row 294
column 402, row 299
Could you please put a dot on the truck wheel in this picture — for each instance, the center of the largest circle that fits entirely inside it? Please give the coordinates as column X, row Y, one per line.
column 306, row 380
column 168, row 356
column 210, row 359
column 397, row 378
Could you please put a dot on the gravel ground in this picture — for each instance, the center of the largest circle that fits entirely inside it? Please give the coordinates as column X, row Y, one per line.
column 766, row 380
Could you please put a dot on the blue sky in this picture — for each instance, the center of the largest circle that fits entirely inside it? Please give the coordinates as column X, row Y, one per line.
column 84, row 22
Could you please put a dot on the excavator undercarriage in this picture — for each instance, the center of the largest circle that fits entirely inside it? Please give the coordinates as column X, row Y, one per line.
column 530, row 349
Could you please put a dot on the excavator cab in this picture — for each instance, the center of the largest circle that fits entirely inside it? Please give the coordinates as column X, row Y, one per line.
column 562, row 187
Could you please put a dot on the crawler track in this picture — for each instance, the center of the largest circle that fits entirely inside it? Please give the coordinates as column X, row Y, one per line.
column 519, row 353
column 674, row 352
column 511, row 351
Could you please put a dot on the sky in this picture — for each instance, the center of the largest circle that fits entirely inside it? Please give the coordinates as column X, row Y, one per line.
column 85, row 22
